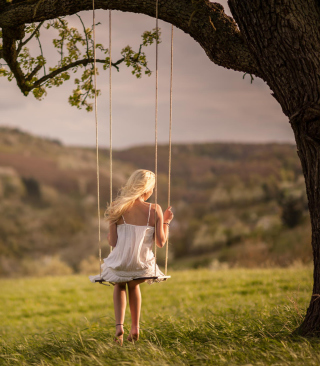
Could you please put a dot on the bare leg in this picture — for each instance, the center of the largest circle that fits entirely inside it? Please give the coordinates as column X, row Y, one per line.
column 135, row 308
column 119, row 302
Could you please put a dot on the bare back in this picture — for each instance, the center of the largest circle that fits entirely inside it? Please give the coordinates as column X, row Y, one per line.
column 138, row 214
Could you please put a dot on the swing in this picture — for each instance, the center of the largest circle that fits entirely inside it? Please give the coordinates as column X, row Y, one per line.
column 160, row 278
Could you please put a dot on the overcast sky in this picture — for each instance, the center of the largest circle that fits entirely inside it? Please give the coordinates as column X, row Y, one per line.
column 210, row 103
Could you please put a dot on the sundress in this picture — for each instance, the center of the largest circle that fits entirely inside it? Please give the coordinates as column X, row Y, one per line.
column 132, row 258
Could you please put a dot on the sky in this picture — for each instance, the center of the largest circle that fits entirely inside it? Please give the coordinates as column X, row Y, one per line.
column 210, row 103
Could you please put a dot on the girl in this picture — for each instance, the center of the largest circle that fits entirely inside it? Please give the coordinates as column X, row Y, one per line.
column 131, row 234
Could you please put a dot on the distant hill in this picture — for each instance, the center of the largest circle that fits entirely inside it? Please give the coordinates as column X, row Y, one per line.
column 237, row 204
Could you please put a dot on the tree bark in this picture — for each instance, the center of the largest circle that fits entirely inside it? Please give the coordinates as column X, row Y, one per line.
column 307, row 134
column 285, row 37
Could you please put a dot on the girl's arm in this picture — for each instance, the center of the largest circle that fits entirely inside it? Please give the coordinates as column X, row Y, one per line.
column 113, row 236
column 162, row 229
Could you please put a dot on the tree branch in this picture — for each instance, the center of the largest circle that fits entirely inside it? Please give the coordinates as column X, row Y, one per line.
column 10, row 55
column 41, row 50
column 83, row 62
column 206, row 22
column 85, row 33
column 21, row 44
column 33, row 72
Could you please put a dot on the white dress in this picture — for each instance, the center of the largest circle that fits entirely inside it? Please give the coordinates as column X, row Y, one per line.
column 132, row 257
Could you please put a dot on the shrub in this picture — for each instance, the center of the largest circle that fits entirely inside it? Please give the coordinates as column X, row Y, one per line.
column 32, row 188
column 45, row 266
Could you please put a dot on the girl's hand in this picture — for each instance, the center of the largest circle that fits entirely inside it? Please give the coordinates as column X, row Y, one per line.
column 168, row 215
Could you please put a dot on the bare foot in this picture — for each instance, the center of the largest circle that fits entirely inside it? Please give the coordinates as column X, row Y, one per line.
column 134, row 334
column 119, row 334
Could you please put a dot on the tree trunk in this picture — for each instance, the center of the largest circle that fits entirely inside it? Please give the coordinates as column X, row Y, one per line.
column 285, row 38
column 306, row 127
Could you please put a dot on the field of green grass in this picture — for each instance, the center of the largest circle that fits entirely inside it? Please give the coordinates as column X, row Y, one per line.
column 198, row 317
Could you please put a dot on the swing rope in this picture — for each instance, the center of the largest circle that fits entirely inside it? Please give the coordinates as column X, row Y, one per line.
column 156, row 148
column 110, row 109
column 170, row 133
column 110, row 128
column 96, row 122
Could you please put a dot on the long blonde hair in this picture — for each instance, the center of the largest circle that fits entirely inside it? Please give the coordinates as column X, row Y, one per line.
column 141, row 181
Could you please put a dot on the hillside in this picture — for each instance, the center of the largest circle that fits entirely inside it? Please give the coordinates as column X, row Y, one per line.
column 234, row 204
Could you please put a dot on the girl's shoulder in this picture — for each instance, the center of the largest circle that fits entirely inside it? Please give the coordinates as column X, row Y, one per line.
column 153, row 207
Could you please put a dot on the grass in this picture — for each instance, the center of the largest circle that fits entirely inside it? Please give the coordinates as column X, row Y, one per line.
column 199, row 317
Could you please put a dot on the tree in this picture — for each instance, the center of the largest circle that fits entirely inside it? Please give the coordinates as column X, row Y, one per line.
column 278, row 41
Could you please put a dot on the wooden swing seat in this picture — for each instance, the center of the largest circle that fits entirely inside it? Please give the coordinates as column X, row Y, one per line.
column 163, row 278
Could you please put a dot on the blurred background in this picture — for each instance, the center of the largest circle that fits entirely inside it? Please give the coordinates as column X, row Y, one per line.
column 234, row 204
column 238, row 192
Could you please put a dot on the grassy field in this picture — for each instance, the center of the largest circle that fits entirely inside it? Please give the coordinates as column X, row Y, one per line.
column 200, row 317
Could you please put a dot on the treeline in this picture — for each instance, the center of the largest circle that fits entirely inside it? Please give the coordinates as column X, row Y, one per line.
column 234, row 204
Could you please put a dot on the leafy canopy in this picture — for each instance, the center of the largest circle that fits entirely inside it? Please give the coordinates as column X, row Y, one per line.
column 76, row 54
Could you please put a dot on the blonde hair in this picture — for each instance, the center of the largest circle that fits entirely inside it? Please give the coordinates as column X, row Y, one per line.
column 141, row 181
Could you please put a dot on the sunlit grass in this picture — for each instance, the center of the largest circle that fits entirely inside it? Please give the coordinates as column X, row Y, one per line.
column 228, row 317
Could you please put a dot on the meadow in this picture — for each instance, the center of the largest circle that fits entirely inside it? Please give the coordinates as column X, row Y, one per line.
column 198, row 317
